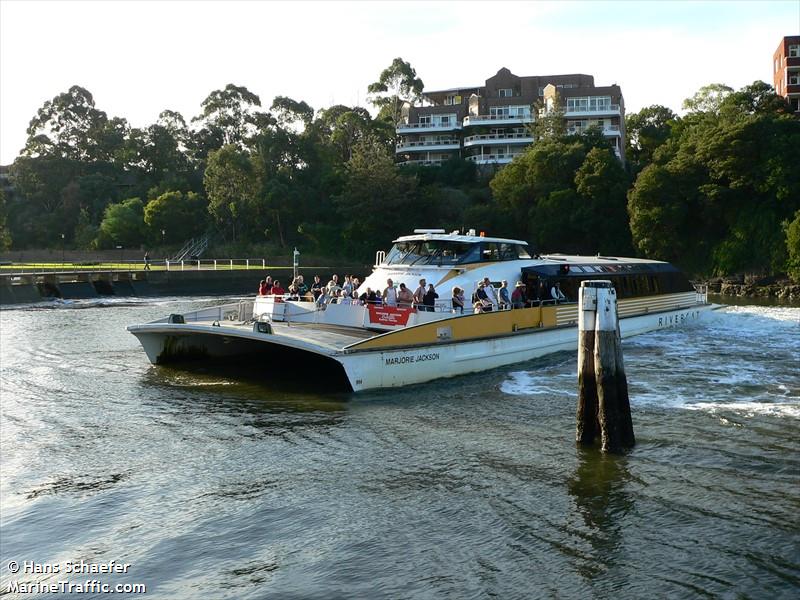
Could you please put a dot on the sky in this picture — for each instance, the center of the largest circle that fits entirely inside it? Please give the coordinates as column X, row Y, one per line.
column 139, row 58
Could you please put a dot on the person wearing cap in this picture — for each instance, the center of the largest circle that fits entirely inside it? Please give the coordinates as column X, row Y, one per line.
column 518, row 296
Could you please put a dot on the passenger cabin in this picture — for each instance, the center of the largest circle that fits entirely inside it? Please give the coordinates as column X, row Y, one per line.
column 630, row 279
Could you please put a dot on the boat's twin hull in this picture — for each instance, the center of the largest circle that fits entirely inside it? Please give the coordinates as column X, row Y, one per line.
column 380, row 368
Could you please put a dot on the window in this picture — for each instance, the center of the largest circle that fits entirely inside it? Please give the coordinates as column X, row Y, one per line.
column 498, row 111
column 541, row 91
column 795, row 103
column 794, row 51
column 452, row 99
column 424, row 119
column 506, row 93
column 794, row 79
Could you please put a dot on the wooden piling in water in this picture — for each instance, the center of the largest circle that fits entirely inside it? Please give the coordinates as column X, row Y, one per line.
column 604, row 407
column 588, row 426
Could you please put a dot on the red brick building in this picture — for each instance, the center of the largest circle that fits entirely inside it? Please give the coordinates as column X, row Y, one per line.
column 488, row 124
column 786, row 70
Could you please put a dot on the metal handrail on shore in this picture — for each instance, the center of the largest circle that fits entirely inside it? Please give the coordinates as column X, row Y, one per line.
column 212, row 264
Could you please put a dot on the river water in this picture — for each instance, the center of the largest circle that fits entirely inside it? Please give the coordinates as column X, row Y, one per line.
column 213, row 487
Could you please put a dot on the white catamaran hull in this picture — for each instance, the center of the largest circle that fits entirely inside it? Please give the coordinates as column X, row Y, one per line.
column 393, row 367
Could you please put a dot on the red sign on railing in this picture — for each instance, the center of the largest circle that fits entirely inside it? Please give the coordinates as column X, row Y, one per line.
column 388, row 315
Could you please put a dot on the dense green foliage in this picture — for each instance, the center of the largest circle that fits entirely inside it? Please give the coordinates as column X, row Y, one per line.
column 716, row 191
column 720, row 184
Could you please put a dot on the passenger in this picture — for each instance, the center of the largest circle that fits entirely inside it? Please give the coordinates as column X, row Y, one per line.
column 345, row 298
column 491, row 295
column 333, row 286
column 293, row 294
column 458, row 300
column 556, row 293
column 419, row 294
column 429, row 299
column 316, row 288
column 389, row 294
column 347, row 286
column 262, row 288
column 518, row 296
column 502, row 293
column 542, row 293
column 268, row 281
column 478, row 307
column 277, row 290
column 369, row 297
column 483, row 298
column 404, row 297
column 302, row 288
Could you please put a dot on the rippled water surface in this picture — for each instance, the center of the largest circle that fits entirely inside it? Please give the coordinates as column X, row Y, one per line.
column 214, row 487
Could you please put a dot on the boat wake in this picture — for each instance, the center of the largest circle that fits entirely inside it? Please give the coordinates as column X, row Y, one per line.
column 740, row 361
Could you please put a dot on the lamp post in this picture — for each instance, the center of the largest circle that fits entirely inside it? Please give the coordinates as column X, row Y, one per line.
column 163, row 236
column 62, row 250
column 121, row 255
column 295, row 262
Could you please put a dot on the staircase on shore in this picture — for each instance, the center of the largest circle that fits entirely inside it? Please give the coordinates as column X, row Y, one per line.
column 192, row 249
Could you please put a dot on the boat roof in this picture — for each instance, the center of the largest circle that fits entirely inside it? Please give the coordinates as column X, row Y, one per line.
column 598, row 259
column 455, row 237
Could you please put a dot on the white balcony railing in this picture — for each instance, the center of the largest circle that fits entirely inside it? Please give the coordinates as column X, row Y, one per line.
column 416, row 127
column 450, row 144
column 609, row 130
column 422, row 162
column 495, row 119
column 498, row 138
column 483, row 159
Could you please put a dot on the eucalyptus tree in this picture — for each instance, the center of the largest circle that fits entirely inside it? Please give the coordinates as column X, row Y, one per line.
column 397, row 83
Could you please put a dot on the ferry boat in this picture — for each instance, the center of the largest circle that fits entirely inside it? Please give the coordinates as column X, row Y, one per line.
column 360, row 346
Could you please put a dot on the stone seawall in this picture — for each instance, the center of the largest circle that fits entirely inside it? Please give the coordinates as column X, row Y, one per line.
column 27, row 288
column 783, row 290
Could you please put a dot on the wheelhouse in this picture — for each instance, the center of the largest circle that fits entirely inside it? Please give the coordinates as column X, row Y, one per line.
column 436, row 252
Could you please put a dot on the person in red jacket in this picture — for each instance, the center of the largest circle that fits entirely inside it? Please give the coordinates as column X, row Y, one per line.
column 277, row 290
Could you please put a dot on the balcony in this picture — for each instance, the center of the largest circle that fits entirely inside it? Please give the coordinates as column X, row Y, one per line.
column 426, row 145
column 497, row 119
column 591, row 111
column 432, row 162
column 488, row 159
column 497, row 138
column 608, row 130
column 406, row 128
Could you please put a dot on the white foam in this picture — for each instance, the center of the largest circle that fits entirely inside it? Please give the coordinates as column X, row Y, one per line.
column 750, row 409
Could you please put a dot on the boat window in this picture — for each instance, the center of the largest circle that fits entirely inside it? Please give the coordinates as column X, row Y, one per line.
column 430, row 252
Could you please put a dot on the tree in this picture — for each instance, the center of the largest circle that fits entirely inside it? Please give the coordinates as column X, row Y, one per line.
column 792, row 231
column 231, row 187
column 708, row 98
column 291, row 112
column 123, row 223
column 178, row 215
column 719, row 188
column 5, row 234
column 376, row 200
column 229, row 116
column 70, row 126
column 646, row 131
column 398, row 83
